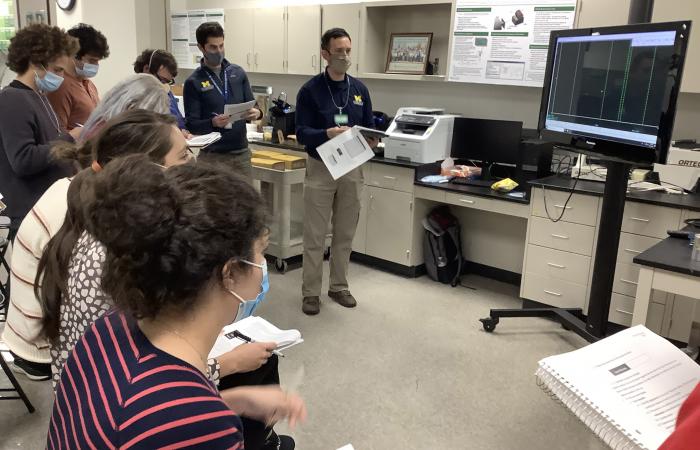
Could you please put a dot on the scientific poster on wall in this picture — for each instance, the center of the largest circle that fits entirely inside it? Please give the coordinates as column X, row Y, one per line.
column 505, row 41
column 183, row 39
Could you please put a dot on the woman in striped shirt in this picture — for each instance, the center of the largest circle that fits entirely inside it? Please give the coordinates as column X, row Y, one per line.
column 184, row 257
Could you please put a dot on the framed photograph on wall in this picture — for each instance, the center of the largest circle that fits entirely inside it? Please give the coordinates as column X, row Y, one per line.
column 408, row 53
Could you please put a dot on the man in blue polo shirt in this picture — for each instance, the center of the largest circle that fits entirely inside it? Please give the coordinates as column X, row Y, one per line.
column 214, row 84
column 327, row 105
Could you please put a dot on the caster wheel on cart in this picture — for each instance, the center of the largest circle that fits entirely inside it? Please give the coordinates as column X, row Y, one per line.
column 281, row 265
column 489, row 324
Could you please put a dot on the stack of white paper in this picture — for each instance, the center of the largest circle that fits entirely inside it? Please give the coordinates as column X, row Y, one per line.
column 204, row 140
column 259, row 330
column 345, row 152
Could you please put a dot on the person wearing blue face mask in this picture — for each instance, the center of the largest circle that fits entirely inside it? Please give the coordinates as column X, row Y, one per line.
column 77, row 96
column 214, row 84
column 175, row 280
column 40, row 55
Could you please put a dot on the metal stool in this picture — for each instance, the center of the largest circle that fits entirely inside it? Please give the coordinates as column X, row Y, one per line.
column 4, row 286
column 16, row 387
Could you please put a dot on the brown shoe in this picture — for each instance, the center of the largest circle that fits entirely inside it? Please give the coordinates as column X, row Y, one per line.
column 311, row 305
column 343, row 298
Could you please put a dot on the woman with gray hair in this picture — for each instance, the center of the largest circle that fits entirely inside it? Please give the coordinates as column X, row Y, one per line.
column 46, row 217
column 138, row 91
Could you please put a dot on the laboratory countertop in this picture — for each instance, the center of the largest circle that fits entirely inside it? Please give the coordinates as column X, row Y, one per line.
column 293, row 145
column 562, row 183
column 671, row 254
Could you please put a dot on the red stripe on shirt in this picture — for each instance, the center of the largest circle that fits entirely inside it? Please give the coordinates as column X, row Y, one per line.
column 162, row 406
column 66, row 369
column 148, row 373
column 117, row 348
column 70, row 414
column 205, row 438
column 160, row 387
column 176, row 424
column 95, row 420
column 105, row 358
column 105, row 403
column 25, row 246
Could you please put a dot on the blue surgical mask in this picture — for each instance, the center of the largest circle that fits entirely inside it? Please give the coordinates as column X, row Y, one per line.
column 88, row 70
column 247, row 307
column 214, row 58
column 49, row 83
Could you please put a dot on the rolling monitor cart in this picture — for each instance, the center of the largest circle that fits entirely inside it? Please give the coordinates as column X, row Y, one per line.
column 490, row 142
column 610, row 93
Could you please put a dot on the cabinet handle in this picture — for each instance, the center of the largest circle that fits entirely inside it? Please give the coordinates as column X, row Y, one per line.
column 559, row 236
column 247, row 59
column 256, row 60
column 632, row 251
column 623, row 312
column 313, row 61
column 562, row 207
column 629, row 281
column 638, row 219
column 469, row 202
column 408, row 255
column 387, row 177
column 556, row 294
column 558, row 266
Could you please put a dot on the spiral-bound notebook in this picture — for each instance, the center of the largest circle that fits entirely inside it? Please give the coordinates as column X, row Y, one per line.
column 627, row 388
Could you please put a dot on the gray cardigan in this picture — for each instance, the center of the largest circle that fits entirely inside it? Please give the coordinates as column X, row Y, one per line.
column 27, row 127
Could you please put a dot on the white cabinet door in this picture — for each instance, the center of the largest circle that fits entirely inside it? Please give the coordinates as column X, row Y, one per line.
column 304, row 40
column 239, row 37
column 389, row 226
column 346, row 17
column 670, row 10
column 603, row 13
column 685, row 312
column 269, row 40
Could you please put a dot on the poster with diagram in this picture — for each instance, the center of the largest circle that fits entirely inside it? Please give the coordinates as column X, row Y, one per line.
column 183, row 39
column 505, row 41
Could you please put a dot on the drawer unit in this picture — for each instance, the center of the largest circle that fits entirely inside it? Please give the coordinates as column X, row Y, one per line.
column 632, row 245
column 565, row 236
column 622, row 307
column 581, row 209
column 487, row 204
column 650, row 220
column 557, row 264
column 626, row 276
column 436, row 195
column 390, row 177
column 551, row 291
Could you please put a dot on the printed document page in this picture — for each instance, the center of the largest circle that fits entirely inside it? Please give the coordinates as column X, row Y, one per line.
column 345, row 152
column 237, row 111
column 258, row 329
column 635, row 377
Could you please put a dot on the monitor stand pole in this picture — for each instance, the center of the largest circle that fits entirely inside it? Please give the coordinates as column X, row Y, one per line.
column 595, row 325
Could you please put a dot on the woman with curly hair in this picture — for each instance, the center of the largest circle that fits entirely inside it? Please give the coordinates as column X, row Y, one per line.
column 39, row 54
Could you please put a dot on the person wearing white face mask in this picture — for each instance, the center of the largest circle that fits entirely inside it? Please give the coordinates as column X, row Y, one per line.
column 327, row 105
column 176, row 279
column 77, row 96
column 40, row 55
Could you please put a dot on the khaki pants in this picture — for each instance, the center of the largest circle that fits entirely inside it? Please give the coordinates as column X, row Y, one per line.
column 236, row 162
column 323, row 196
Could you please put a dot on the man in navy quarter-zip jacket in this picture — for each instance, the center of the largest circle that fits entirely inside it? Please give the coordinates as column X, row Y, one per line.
column 214, row 84
column 327, row 105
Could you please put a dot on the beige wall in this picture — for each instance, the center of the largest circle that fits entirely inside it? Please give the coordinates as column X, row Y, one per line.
column 475, row 100
column 129, row 25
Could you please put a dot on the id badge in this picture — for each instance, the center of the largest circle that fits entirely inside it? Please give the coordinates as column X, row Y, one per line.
column 341, row 119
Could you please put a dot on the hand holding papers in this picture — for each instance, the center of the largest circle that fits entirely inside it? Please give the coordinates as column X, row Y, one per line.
column 257, row 329
column 237, row 111
column 345, row 152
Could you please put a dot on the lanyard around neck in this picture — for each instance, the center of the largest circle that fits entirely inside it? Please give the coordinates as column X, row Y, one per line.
column 347, row 98
column 223, row 93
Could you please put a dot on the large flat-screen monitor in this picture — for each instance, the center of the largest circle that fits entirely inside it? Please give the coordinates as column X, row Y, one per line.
column 612, row 91
column 485, row 140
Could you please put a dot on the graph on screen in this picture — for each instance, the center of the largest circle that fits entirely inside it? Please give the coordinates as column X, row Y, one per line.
column 611, row 85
